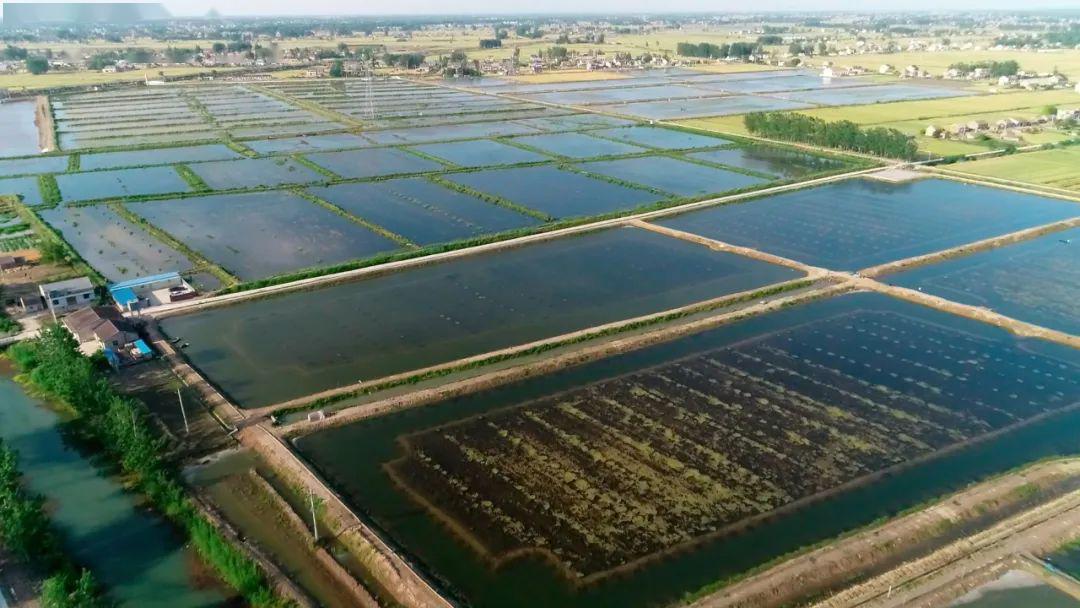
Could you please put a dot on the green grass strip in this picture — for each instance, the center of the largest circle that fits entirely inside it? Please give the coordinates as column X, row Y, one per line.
column 50, row 190
column 240, row 148
column 495, row 200
column 74, row 162
column 197, row 184
column 377, row 229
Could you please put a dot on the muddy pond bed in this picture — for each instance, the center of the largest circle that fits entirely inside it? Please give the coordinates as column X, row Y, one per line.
column 545, row 492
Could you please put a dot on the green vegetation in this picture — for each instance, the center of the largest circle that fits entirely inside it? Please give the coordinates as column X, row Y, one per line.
column 197, row 184
column 37, row 65
column 73, row 162
column 50, row 191
column 737, row 50
column 842, row 134
column 25, row 531
column 996, row 69
column 122, row 429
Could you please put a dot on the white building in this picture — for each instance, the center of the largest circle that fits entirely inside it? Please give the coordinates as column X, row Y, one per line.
column 63, row 296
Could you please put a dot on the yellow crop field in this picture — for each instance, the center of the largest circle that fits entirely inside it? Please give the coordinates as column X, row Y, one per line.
column 932, row 109
column 1067, row 61
column 31, row 82
column 1056, row 168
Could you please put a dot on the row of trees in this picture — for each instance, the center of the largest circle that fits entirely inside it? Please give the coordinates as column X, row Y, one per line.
column 403, row 60
column 120, row 427
column 841, row 135
column 737, row 50
column 997, row 68
column 25, row 531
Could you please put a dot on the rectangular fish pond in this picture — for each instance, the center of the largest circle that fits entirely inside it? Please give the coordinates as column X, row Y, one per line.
column 630, row 481
column 274, row 349
column 859, row 223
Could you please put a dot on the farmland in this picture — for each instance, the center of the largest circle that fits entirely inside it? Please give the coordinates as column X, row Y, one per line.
column 545, row 352
column 1053, row 168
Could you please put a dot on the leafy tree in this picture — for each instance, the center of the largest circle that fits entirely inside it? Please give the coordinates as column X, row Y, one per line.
column 219, row 47
column 37, row 65
column 14, row 53
column 337, row 69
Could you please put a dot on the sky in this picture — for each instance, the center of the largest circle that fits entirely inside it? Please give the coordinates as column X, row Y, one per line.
column 441, row 7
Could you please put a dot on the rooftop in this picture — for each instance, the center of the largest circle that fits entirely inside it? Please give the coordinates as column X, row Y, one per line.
column 143, row 281
column 68, row 286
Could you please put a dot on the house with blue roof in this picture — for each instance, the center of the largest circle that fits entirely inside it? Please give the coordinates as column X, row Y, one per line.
column 154, row 290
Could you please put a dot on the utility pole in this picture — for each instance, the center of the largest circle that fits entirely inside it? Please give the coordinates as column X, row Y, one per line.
column 179, row 397
column 314, row 521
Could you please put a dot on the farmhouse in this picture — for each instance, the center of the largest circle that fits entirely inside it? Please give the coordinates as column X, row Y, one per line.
column 934, row 131
column 100, row 328
column 155, row 290
column 72, row 294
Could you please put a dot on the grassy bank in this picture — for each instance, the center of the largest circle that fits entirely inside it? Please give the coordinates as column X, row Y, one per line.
column 121, row 429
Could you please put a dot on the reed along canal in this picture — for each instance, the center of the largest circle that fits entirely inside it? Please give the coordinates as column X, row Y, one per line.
column 622, row 482
column 137, row 556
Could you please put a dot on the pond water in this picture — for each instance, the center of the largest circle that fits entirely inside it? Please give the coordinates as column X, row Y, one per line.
column 1016, row 588
column 26, row 187
column 115, row 247
column 255, row 172
column 1048, row 295
column 373, row 162
column 772, row 161
column 263, row 233
column 333, row 141
column 38, row 164
column 164, row 156
column 670, row 175
column 118, row 183
column 446, row 132
column 278, row 348
column 352, row 457
column 578, row 145
column 422, row 211
column 138, row 557
column 872, row 94
column 556, row 192
column 624, row 94
column 707, row 106
column 481, row 153
column 665, row 139
column 18, row 133
column 859, row 223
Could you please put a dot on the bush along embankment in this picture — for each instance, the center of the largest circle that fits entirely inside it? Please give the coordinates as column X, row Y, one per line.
column 841, row 134
column 120, row 427
column 27, row 533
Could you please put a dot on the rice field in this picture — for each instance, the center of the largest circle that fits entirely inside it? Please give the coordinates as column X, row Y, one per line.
column 1057, row 168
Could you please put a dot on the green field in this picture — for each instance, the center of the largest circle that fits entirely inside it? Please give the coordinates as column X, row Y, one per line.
column 70, row 79
column 912, row 117
column 1056, row 168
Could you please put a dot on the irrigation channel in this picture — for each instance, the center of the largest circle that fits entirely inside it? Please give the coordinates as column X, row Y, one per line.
column 137, row 556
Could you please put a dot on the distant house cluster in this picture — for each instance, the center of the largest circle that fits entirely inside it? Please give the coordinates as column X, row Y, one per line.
column 1009, row 129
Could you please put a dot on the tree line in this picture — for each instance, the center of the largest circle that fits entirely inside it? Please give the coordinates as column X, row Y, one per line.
column 707, row 50
column 841, row 134
column 25, row 531
column 121, row 429
column 997, row 69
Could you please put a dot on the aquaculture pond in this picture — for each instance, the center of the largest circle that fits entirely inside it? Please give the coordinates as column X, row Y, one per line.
column 1036, row 281
column 120, row 183
column 422, row 211
column 38, row 164
column 278, row 348
column 261, row 234
column 782, row 83
column 578, row 145
column 556, row 192
column 139, row 557
column 670, row 175
column 18, row 132
column 25, row 187
column 115, row 247
column 705, row 106
column 373, row 162
column 648, row 458
column 451, row 131
column 875, row 94
column 666, row 139
column 1016, row 588
column 255, row 172
column 481, row 153
column 859, row 223
column 333, row 141
column 162, row 156
column 772, row 161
